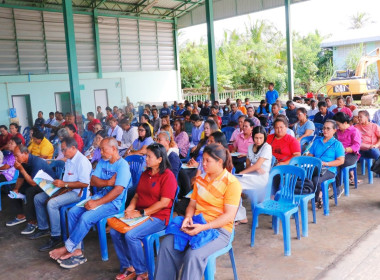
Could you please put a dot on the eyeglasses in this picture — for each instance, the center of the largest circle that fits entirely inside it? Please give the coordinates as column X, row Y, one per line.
column 327, row 128
column 141, row 130
column 64, row 150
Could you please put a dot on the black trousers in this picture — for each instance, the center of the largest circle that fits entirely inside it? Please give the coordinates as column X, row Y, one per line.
column 17, row 204
column 184, row 180
column 349, row 159
column 238, row 163
column 328, row 175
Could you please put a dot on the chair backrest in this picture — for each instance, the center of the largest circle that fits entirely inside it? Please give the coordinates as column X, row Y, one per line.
column 88, row 138
column 228, row 130
column 311, row 165
column 318, row 128
column 273, row 161
column 289, row 175
column 15, row 176
column 26, row 135
column 174, row 201
column 304, row 142
column 136, row 165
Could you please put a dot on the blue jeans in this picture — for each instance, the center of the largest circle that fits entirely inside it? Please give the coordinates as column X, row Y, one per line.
column 128, row 246
column 81, row 220
column 371, row 153
column 52, row 208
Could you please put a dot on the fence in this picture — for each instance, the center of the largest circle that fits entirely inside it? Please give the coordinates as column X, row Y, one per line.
column 192, row 95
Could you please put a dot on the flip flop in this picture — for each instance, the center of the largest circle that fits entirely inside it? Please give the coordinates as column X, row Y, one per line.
column 61, row 260
column 73, row 261
column 240, row 223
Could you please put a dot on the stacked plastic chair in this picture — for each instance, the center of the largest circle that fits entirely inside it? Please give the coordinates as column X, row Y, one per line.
column 228, row 130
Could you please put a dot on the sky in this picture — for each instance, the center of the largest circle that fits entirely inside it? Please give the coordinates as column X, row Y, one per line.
column 329, row 17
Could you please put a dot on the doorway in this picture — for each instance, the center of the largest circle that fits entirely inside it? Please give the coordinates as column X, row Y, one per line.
column 101, row 99
column 23, row 110
column 63, row 102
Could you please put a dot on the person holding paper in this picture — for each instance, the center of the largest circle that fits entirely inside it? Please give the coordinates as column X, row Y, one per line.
column 75, row 180
column 28, row 166
column 112, row 177
column 154, row 197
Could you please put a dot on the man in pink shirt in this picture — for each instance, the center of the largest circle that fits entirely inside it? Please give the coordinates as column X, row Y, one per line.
column 238, row 130
column 342, row 108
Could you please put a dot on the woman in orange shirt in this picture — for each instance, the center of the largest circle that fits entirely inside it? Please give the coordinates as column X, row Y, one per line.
column 216, row 195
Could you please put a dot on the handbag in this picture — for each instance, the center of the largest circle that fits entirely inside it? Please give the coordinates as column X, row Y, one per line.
column 122, row 227
column 376, row 166
column 308, row 187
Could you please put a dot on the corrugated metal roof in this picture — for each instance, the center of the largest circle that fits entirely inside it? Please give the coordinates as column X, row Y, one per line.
column 353, row 36
column 188, row 12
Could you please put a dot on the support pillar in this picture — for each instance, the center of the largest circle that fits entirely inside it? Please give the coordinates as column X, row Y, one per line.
column 72, row 64
column 289, row 50
column 97, row 44
column 211, row 50
column 176, row 60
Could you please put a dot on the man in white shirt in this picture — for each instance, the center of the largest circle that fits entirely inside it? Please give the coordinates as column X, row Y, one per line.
column 314, row 109
column 75, row 181
column 115, row 131
column 130, row 134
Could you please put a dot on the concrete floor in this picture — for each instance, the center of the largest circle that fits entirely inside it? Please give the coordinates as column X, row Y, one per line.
column 330, row 242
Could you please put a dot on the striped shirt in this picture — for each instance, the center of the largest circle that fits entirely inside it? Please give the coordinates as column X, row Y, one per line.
column 211, row 196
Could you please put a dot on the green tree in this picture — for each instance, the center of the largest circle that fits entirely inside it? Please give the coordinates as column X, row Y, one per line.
column 359, row 20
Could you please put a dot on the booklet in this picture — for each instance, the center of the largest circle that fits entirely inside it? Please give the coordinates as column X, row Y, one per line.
column 134, row 221
column 185, row 166
column 45, row 181
column 236, row 154
column 83, row 202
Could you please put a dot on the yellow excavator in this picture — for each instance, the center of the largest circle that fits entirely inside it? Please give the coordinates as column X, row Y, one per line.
column 355, row 82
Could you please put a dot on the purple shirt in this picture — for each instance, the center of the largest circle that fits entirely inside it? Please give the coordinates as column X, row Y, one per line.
column 183, row 143
column 96, row 156
column 10, row 172
column 350, row 138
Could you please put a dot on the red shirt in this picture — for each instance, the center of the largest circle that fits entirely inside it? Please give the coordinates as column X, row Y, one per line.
column 284, row 148
column 79, row 141
column 91, row 124
column 21, row 137
column 151, row 188
column 64, row 124
column 4, row 140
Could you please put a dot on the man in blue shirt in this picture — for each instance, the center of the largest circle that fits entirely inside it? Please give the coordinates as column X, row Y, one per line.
column 112, row 177
column 28, row 166
column 323, row 113
column 233, row 117
column 271, row 95
column 165, row 111
column 196, row 131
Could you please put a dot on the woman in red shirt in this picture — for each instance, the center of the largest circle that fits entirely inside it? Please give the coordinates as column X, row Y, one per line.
column 154, row 197
column 13, row 129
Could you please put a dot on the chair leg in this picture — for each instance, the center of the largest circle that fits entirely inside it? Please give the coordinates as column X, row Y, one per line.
column 304, row 217
column 346, row 181
column 313, row 209
column 356, row 177
column 335, row 193
column 210, row 269
column 286, row 232
column 232, row 257
column 275, row 225
column 253, row 230
column 325, row 198
column 297, row 221
column 363, row 162
column 370, row 173
column 149, row 256
column 101, row 226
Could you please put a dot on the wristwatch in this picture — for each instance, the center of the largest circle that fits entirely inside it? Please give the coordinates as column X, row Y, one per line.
column 142, row 212
column 66, row 185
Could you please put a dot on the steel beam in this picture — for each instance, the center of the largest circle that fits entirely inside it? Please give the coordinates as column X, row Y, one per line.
column 72, row 63
column 97, row 44
column 211, row 49
column 289, row 50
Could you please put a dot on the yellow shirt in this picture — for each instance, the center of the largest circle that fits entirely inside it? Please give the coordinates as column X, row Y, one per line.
column 45, row 148
column 151, row 129
column 211, row 197
column 203, row 134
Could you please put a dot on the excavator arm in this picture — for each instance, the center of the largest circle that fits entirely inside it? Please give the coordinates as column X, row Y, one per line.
column 367, row 60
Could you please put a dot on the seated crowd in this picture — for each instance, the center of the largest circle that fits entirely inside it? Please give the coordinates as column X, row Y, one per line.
column 92, row 165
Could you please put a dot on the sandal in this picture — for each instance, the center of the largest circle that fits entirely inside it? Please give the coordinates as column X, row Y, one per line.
column 240, row 223
column 73, row 261
column 126, row 275
column 143, row 276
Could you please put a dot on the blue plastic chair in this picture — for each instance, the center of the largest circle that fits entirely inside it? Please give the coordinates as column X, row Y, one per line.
column 136, row 165
column 211, row 261
column 88, row 138
column 311, row 118
column 285, row 205
column 345, row 177
column 367, row 161
column 101, row 227
column 187, row 158
column 26, row 135
column 228, row 130
column 325, row 195
column 13, row 181
column 63, row 212
column 224, row 120
column 305, row 142
column 318, row 129
column 309, row 164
